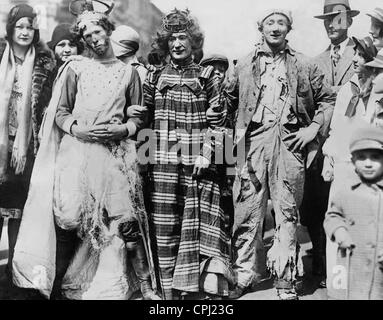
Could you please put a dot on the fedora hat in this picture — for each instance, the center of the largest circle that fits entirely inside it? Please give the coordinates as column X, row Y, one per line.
column 334, row 7
column 377, row 62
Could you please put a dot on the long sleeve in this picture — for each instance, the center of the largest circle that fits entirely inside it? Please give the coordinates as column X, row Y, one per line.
column 149, row 90
column 214, row 137
column 335, row 217
column 324, row 98
column 64, row 117
column 134, row 97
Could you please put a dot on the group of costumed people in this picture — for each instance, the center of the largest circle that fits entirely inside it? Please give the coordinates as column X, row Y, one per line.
column 115, row 177
column 84, row 230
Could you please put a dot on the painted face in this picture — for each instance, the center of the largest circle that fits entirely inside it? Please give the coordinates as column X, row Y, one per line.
column 275, row 30
column 96, row 38
column 24, row 32
column 219, row 71
column 369, row 164
column 359, row 62
column 180, row 46
column 336, row 30
column 376, row 32
column 64, row 49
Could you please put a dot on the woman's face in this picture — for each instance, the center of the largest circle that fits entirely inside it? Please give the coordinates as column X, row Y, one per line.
column 359, row 62
column 180, row 46
column 376, row 32
column 23, row 33
column 64, row 49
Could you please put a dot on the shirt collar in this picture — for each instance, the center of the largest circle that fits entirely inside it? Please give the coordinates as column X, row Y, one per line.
column 356, row 182
column 264, row 48
column 342, row 46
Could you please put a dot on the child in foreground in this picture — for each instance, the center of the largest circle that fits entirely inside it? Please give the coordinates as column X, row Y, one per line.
column 355, row 222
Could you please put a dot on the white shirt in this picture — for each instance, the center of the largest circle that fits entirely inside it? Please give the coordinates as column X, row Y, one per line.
column 342, row 45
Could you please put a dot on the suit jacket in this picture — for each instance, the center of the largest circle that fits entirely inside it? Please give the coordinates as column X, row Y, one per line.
column 343, row 71
column 311, row 99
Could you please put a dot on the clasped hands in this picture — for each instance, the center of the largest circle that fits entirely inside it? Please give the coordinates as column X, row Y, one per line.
column 100, row 133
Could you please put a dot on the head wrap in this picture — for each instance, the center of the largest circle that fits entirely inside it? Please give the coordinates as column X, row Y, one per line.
column 269, row 13
column 125, row 40
column 177, row 21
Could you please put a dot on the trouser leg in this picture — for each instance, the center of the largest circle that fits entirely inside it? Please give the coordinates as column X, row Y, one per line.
column 136, row 253
column 66, row 244
column 1, row 226
column 250, row 204
column 13, row 231
column 286, row 176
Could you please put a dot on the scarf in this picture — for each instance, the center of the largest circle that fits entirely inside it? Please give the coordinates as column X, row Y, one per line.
column 357, row 93
column 24, row 112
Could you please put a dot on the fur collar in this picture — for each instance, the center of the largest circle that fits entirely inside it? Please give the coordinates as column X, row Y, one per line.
column 44, row 56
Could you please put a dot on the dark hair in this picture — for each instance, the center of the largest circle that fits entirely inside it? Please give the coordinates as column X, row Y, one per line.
column 107, row 25
column 160, row 43
column 10, row 29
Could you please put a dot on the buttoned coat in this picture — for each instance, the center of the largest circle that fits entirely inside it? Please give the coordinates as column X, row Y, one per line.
column 358, row 207
column 344, row 69
column 310, row 98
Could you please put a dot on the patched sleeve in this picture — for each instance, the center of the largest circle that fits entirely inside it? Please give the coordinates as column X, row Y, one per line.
column 64, row 118
column 335, row 216
column 324, row 99
column 134, row 97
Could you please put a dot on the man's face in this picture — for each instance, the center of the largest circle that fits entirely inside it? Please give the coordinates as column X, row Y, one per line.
column 96, row 38
column 376, row 32
column 64, row 49
column 336, row 28
column 180, row 46
column 23, row 33
column 369, row 164
column 220, row 71
column 275, row 30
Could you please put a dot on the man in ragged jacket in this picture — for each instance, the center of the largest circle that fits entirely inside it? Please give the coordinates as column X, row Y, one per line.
column 283, row 108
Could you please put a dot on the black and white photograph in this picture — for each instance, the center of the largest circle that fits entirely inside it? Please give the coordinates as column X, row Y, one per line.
column 212, row 151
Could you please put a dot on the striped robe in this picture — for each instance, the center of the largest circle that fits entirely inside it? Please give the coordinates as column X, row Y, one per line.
column 188, row 222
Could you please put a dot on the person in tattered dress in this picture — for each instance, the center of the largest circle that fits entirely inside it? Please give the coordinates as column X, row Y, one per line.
column 189, row 225
column 96, row 188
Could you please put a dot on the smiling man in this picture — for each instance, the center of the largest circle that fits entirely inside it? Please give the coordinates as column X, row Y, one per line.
column 283, row 106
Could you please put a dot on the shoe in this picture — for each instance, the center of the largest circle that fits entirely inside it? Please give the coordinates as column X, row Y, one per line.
column 322, row 284
column 287, row 294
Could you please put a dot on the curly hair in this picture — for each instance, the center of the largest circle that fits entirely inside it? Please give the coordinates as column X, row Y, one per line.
column 105, row 23
column 197, row 37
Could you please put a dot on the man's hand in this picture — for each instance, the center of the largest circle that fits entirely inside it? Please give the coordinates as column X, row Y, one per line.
column 200, row 165
column 136, row 111
column 342, row 237
column 85, row 133
column 303, row 137
column 328, row 169
column 110, row 132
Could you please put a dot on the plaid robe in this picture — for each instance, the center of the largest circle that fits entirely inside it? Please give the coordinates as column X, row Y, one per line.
column 188, row 222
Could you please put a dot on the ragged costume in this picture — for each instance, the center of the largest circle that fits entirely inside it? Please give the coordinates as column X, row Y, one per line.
column 275, row 96
column 93, row 188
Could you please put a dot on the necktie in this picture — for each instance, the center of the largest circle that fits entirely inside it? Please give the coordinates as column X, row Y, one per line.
column 335, row 55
